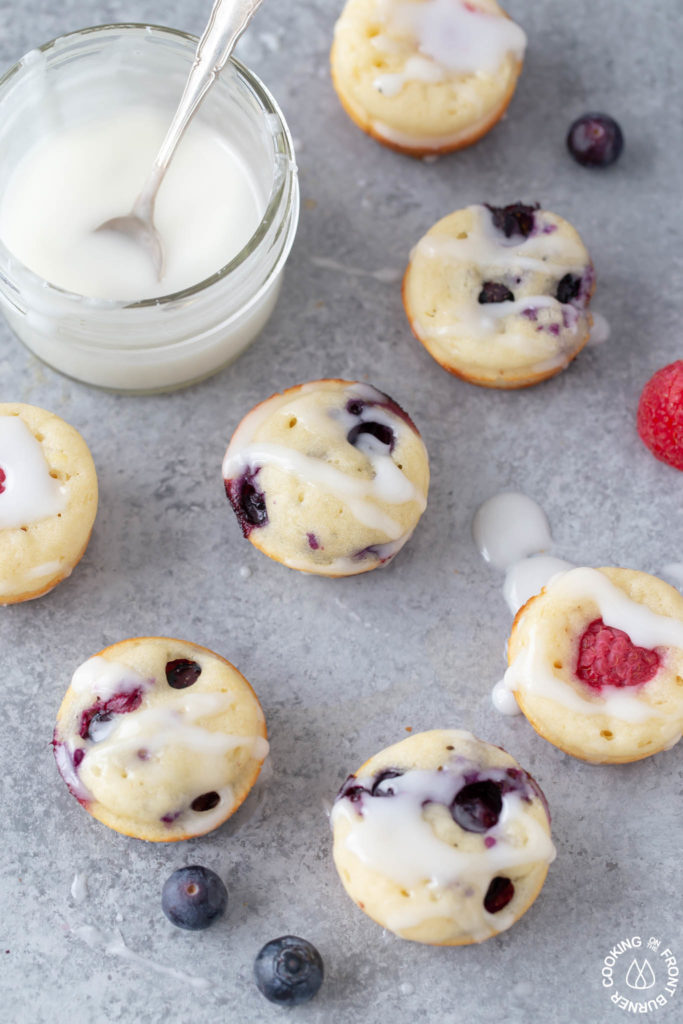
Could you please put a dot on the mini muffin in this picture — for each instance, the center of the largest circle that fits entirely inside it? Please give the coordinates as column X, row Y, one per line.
column 48, row 501
column 426, row 76
column 499, row 295
column 596, row 664
column 328, row 477
column 159, row 739
column 442, row 839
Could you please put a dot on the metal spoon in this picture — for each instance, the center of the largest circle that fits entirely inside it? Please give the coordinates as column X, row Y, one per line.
column 227, row 22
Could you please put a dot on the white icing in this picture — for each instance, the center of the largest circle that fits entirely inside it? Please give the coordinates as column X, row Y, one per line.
column 504, row 699
column 102, row 678
column 600, row 331
column 113, row 944
column 389, row 485
column 509, row 526
column 416, row 69
column 530, row 671
column 527, row 577
column 30, row 493
column 457, row 38
column 393, row 838
column 79, row 888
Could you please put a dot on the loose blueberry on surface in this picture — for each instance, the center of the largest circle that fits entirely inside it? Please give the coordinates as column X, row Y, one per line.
column 498, row 895
column 193, row 897
column 381, row 787
column 288, row 971
column 494, row 291
column 206, row 802
column 595, row 140
column 516, row 219
column 608, row 657
column 247, row 500
column 381, row 431
column 568, row 288
column 477, row 806
column 181, row 673
column 2, row 480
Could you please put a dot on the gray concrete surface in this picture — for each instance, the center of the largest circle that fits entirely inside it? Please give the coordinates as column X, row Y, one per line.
column 345, row 667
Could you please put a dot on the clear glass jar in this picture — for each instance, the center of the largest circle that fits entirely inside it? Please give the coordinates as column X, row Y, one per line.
column 168, row 342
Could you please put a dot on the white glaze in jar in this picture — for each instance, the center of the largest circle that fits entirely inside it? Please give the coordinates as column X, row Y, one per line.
column 164, row 342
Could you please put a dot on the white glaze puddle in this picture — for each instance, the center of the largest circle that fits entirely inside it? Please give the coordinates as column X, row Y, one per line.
column 29, row 492
column 79, row 888
column 113, row 944
column 508, row 527
column 385, row 275
column 600, row 331
column 526, row 578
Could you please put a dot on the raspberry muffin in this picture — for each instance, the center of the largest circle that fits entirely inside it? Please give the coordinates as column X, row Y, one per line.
column 159, row 739
column 48, row 501
column 329, row 477
column 499, row 295
column 596, row 664
column 442, row 839
column 426, row 76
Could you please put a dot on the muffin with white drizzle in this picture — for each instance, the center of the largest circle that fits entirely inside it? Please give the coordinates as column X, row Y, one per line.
column 48, row 500
column 329, row 477
column 499, row 295
column 426, row 76
column 442, row 838
column 159, row 739
column 596, row 664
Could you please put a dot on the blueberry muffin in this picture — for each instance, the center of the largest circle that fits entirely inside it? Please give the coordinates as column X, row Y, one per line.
column 159, row 739
column 499, row 295
column 328, row 477
column 426, row 76
column 596, row 664
column 442, row 839
column 48, row 501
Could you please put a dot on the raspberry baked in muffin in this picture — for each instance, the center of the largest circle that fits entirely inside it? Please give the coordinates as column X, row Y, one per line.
column 499, row 295
column 426, row 76
column 596, row 664
column 329, row 477
column 48, row 501
column 159, row 739
column 442, row 839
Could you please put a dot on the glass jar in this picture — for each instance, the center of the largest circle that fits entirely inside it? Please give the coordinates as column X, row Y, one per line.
column 170, row 341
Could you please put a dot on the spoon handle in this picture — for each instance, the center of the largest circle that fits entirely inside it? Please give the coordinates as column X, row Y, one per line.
column 227, row 22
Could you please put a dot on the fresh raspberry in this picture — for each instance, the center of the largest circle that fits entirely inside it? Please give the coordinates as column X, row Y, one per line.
column 660, row 414
column 607, row 657
column 2, row 480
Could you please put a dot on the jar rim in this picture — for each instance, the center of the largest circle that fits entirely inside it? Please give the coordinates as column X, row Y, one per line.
column 281, row 137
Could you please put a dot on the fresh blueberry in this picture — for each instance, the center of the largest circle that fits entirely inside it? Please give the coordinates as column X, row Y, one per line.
column 182, row 673
column 498, row 895
column 493, row 291
column 595, row 140
column 193, row 897
column 288, row 971
column 247, row 500
column 383, row 433
column 477, row 806
column 516, row 219
column 99, row 713
column 568, row 288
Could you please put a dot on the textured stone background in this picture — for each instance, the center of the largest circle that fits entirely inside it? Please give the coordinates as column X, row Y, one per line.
column 344, row 667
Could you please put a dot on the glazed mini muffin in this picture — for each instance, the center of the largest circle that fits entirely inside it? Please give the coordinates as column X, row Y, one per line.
column 328, row 477
column 499, row 295
column 48, row 501
column 442, row 838
column 159, row 739
column 596, row 664
column 426, row 76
